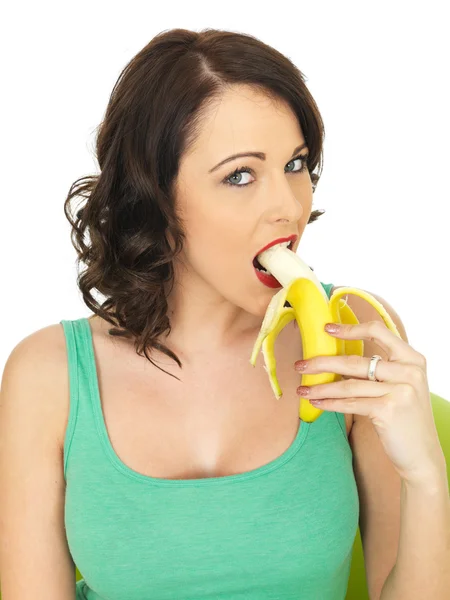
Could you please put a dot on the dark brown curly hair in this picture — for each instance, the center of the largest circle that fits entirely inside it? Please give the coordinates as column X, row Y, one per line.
column 153, row 116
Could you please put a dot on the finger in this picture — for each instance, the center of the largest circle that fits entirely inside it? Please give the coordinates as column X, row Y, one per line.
column 345, row 389
column 395, row 347
column 366, row 406
column 358, row 367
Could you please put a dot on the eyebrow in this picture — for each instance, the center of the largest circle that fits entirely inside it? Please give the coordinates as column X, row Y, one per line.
column 260, row 155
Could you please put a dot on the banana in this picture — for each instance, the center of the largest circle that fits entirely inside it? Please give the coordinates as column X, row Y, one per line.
column 310, row 306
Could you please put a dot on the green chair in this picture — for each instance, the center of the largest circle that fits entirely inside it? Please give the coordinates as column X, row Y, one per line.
column 357, row 586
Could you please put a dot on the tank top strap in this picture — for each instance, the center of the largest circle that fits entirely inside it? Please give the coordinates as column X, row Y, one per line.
column 327, row 287
column 82, row 373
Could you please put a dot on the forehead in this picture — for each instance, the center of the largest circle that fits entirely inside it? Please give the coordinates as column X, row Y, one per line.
column 244, row 118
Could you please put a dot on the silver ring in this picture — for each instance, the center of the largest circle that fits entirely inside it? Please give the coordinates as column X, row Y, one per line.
column 372, row 366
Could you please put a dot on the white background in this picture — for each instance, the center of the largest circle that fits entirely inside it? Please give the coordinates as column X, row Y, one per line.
column 379, row 74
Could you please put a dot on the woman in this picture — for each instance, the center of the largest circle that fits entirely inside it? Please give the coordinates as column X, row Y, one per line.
column 174, row 472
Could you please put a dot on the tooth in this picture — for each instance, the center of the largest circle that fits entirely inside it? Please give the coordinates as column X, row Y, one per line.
column 311, row 307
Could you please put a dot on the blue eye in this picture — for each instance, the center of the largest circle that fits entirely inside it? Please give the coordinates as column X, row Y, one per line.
column 226, row 181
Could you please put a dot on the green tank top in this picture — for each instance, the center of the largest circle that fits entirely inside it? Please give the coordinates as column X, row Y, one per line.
column 282, row 531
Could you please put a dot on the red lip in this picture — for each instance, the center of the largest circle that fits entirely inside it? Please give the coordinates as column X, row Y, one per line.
column 292, row 238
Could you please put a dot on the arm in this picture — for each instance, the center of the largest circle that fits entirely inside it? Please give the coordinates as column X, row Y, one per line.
column 35, row 562
column 422, row 568
column 414, row 519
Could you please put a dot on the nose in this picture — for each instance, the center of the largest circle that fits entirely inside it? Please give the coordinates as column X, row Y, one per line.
column 283, row 202
column 287, row 206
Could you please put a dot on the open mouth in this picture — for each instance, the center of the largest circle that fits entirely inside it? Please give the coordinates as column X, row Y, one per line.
column 258, row 266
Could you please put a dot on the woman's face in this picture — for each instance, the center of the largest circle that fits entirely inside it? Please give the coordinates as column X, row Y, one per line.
column 228, row 218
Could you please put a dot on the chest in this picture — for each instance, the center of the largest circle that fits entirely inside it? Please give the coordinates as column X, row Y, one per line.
column 220, row 419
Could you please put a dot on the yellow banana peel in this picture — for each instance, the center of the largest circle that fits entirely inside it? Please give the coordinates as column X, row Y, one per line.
column 312, row 309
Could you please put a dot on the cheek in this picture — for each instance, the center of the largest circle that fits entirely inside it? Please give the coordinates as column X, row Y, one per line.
column 217, row 237
column 218, row 251
column 218, row 246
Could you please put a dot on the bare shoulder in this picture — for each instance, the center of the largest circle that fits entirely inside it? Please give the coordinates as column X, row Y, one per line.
column 33, row 404
column 39, row 361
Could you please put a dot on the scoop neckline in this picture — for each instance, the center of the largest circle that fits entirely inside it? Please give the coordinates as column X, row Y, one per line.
column 276, row 463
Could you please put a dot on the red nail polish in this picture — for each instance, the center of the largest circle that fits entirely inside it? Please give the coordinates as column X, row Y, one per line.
column 301, row 365
column 303, row 390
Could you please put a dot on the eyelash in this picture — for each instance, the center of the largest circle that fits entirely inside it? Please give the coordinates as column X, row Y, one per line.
column 245, row 169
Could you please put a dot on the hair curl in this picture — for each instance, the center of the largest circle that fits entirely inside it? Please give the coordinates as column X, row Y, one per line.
column 153, row 116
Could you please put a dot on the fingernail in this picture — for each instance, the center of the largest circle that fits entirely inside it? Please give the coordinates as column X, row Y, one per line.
column 301, row 365
column 332, row 327
column 303, row 390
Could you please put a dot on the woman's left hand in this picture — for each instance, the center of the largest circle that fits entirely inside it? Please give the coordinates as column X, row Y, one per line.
column 398, row 404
